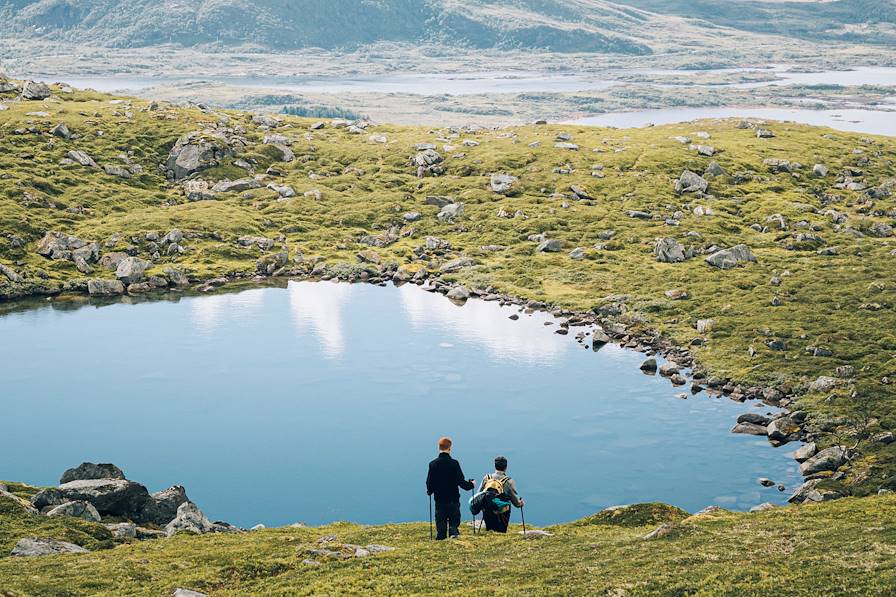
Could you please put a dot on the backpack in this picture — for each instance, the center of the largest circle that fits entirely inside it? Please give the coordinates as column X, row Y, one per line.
column 492, row 498
column 497, row 499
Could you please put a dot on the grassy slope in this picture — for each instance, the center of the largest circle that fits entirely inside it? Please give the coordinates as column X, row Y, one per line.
column 842, row 547
column 826, row 300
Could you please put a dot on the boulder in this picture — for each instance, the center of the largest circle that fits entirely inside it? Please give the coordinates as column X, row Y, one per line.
column 10, row 274
column 130, row 270
column 193, row 153
column 236, row 186
column 503, row 184
column 82, row 158
column 729, row 258
column 77, row 509
column 458, row 293
column 58, row 245
column 110, row 497
column 61, row 131
column 820, row 170
column 669, row 250
column 784, row 430
column 189, row 519
column 89, row 470
column 763, row 507
column 188, row 593
column 824, row 384
column 455, row 265
column 451, row 212
column 198, row 190
column 754, row 418
column 691, row 182
column 29, row 547
column 268, row 264
column 123, row 530
column 177, row 277
column 551, row 245
column 48, row 498
column 750, row 429
column 804, row 453
column 829, row 459
column 98, row 287
column 265, row 244
column 35, row 91
column 161, row 507
column 649, row 366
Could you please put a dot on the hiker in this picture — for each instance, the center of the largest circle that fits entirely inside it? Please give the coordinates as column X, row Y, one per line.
column 442, row 482
column 501, row 492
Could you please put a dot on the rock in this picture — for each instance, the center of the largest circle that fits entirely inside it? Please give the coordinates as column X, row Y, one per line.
column 706, row 150
column 551, row 245
column 503, row 184
column 766, row 482
column 284, row 191
column 48, row 498
column 258, row 527
column 729, row 258
column 778, row 166
column 123, row 530
column 176, row 277
column 705, row 326
column 714, row 169
column 197, row 190
column 266, row 120
column 161, row 507
column 677, row 294
column 451, row 212
column 567, row 146
column 193, row 153
column 783, row 430
column 749, row 429
column 810, row 492
column 82, row 158
column 412, row 216
column 754, row 418
column 456, row 265
column 188, row 593
column 661, row 531
column 189, row 519
column 763, row 507
column 458, row 293
column 764, row 134
column 78, row 509
column 669, row 369
column 829, row 459
column 804, row 453
column 691, row 182
column 284, row 153
column 22, row 503
column 886, row 438
column 35, row 91
column 669, row 250
column 89, row 471
column 267, row 265
column 130, row 270
column 57, row 245
column 236, row 186
column 10, row 274
column 265, row 244
column 60, row 130
column 649, row 365
column 29, row 547
column 110, row 497
column 577, row 254
column 98, row 287
column 824, row 384
column 820, row 170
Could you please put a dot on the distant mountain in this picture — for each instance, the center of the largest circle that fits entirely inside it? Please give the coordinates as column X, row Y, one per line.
column 563, row 26
column 856, row 21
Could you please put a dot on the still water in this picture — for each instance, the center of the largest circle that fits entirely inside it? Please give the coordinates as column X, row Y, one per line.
column 323, row 401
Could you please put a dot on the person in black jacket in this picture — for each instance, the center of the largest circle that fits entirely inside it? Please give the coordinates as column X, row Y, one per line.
column 442, row 482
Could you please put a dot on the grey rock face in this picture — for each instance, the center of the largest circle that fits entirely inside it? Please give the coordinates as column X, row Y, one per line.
column 130, row 270
column 48, row 498
column 35, row 91
column 161, row 507
column 78, row 509
column 193, row 153
column 236, row 186
column 30, row 547
column 829, row 459
column 691, row 182
column 503, row 184
column 551, row 245
column 89, row 470
column 110, row 497
column 669, row 250
column 729, row 258
column 82, row 158
column 189, row 519
column 267, row 265
column 104, row 287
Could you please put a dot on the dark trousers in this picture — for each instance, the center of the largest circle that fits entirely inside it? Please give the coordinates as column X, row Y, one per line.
column 496, row 521
column 447, row 520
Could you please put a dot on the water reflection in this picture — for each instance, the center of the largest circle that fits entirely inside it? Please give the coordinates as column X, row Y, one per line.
column 210, row 312
column 322, row 313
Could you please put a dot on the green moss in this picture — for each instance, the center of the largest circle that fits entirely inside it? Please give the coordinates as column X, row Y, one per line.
column 636, row 515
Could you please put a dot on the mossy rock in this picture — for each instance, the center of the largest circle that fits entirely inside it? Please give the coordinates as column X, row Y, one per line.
column 636, row 515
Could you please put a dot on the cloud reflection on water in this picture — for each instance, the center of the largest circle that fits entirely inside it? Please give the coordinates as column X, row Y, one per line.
column 321, row 312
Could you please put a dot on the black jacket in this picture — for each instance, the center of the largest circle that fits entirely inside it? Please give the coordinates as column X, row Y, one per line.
column 444, row 478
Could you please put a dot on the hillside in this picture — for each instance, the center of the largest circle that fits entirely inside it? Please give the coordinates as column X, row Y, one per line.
column 835, row 548
column 592, row 26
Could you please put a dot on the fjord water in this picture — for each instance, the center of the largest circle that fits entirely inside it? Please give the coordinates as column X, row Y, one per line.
column 323, row 402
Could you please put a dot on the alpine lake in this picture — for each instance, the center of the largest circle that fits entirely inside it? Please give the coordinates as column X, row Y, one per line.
column 322, row 401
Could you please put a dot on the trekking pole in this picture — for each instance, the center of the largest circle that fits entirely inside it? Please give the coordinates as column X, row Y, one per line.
column 472, row 495
column 430, row 518
column 523, row 514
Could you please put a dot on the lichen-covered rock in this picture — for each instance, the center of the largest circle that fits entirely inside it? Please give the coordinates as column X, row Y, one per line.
column 829, row 459
column 89, row 470
column 503, row 184
column 691, row 182
column 77, row 509
column 198, row 190
column 35, row 91
column 131, row 270
column 236, row 186
column 98, row 287
column 189, row 519
column 729, row 258
column 267, row 265
column 195, row 152
column 669, row 250
column 29, row 547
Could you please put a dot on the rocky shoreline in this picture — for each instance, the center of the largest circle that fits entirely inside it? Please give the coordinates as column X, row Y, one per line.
column 591, row 329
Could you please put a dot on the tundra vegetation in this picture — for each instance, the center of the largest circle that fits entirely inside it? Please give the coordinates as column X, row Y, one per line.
column 765, row 249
